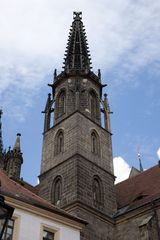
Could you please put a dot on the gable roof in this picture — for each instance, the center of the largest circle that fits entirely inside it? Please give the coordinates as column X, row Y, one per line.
column 139, row 190
column 13, row 189
column 134, row 171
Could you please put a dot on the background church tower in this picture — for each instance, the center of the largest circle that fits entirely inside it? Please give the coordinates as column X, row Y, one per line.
column 12, row 160
column 77, row 166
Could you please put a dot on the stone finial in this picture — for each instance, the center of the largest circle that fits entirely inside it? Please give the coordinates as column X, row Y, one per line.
column 77, row 15
column 55, row 74
column 17, row 146
column 99, row 74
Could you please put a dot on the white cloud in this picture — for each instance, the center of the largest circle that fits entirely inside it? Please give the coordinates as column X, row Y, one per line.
column 158, row 153
column 33, row 36
column 121, row 169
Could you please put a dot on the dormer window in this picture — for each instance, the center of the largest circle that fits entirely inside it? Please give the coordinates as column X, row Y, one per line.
column 139, row 197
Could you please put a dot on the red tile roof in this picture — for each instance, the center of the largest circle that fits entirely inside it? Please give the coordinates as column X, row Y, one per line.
column 139, row 190
column 9, row 187
column 28, row 186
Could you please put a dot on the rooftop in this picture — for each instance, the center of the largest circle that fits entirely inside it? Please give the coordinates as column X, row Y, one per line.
column 139, row 190
column 13, row 189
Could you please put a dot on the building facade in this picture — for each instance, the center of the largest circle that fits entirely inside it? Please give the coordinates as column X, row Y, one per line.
column 77, row 165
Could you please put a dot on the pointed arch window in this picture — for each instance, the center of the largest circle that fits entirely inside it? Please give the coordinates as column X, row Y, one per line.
column 61, row 103
column 56, row 190
column 97, row 191
column 59, row 142
column 94, row 143
column 93, row 104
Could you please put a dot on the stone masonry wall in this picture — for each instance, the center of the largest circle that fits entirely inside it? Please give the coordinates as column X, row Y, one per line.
column 77, row 139
column 138, row 227
column 77, row 184
column 97, row 228
column 68, row 172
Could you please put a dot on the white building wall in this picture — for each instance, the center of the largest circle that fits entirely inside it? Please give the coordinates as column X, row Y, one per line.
column 29, row 226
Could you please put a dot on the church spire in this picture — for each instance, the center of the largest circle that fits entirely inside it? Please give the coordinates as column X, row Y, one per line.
column 77, row 55
column 140, row 162
column 1, row 140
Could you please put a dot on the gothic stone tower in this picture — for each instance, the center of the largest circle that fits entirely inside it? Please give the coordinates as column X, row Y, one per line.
column 77, row 168
column 12, row 160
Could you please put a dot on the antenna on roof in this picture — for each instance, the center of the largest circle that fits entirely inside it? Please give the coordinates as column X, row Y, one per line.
column 140, row 162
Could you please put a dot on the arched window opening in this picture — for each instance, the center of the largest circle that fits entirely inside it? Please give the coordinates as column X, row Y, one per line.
column 57, row 190
column 59, row 142
column 97, row 191
column 94, row 143
column 93, row 104
column 61, row 99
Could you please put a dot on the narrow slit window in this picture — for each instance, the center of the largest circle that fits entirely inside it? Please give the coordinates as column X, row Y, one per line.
column 94, row 143
column 97, row 191
column 59, row 142
column 93, row 104
column 61, row 99
column 57, row 190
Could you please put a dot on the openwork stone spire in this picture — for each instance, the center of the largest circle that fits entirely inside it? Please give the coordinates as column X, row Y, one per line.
column 1, row 140
column 77, row 55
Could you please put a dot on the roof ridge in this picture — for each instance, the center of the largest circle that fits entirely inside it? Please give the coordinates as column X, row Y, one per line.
column 140, row 174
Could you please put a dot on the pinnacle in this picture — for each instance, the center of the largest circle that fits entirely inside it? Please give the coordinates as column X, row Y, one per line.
column 17, row 143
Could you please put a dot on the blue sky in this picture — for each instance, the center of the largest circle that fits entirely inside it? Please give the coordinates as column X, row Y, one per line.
column 123, row 37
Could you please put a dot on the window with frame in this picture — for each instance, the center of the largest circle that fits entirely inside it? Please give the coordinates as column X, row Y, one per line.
column 47, row 235
column 8, row 232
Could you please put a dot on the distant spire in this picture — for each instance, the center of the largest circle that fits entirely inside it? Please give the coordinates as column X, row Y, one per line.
column 140, row 162
column 17, row 147
column 77, row 55
column 1, row 139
